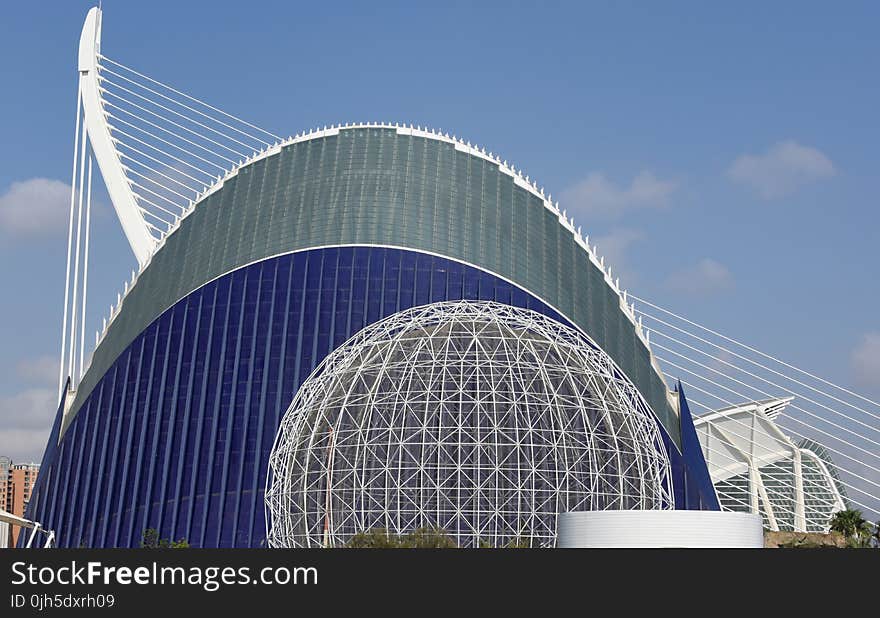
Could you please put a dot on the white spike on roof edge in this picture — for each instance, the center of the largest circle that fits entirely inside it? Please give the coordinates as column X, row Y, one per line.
column 461, row 145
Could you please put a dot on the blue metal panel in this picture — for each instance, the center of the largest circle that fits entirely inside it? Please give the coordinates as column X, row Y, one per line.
column 692, row 486
column 700, row 489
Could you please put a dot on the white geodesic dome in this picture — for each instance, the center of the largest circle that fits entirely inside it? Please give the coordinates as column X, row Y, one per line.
column 478, row 418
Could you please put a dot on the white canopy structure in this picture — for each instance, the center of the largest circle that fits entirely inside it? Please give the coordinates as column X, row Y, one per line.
column 757, row 468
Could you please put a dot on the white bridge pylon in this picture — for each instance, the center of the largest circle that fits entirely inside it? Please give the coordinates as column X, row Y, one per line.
column 109, row 161
column 159, row 150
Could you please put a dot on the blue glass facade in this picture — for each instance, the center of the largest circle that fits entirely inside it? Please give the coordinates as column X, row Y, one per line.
column 176, row 435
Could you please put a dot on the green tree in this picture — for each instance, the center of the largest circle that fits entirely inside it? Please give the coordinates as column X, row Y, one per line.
column 428, row 538
column 514, row 543
column 422, row 538
column 518, row 543
column 151, row 540
column 853, row 526
column 375, row 538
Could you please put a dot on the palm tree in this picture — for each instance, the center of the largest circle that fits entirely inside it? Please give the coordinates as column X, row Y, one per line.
column 854, row 528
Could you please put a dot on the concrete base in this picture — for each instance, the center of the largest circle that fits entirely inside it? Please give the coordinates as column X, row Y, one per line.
column 659, row 529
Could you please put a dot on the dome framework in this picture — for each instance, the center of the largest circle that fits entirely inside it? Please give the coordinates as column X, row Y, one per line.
column 477, row 418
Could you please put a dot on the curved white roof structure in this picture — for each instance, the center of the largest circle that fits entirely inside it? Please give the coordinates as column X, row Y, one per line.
column 757, row 468
column 122, row 195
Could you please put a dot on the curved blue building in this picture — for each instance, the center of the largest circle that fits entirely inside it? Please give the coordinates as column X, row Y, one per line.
column 275, row 267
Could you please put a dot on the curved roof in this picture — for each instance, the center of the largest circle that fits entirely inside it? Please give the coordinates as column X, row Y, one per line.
column 387, row 185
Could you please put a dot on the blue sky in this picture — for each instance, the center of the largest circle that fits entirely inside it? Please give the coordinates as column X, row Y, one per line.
column 723, row 156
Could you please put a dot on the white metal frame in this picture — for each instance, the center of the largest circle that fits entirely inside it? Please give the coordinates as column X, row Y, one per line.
column 773, row 465
column 479, row 418
column 34, row 526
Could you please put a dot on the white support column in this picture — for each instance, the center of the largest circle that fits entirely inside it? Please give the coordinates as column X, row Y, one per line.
column 768, row 506
column 754, row 483
column 61, row 372
column 800, row 519
column 85, row 284
column 757, row 491
column 73, row 310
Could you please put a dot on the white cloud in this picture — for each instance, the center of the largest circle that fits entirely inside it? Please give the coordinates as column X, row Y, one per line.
column 35, row 207
column 26, row 417
column 597, row 196
column 25, row 421
column 781, row 170
column 720, row 360
column 42, row 370
column 865, row 360
column 705, row 277
column 614, row 247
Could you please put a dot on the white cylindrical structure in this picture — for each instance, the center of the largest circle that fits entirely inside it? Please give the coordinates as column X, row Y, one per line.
column 659, row 529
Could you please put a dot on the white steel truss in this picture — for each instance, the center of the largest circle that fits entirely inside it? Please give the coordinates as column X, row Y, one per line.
column 477, row 418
